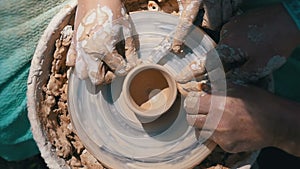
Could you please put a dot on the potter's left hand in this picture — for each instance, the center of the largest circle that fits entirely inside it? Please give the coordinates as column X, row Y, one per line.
column 251, row 115
column 99, row 26
column 250, row 48
column 217, row 12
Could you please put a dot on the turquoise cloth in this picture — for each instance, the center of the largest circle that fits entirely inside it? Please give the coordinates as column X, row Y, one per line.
column 287, row 78
column 293, row 7
column 22, row 23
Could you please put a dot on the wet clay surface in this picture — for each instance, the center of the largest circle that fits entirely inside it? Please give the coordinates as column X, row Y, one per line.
column 55, row 117
column 142, row 87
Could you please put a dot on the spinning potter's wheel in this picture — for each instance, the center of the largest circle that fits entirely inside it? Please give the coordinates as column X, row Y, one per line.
column 114, row 133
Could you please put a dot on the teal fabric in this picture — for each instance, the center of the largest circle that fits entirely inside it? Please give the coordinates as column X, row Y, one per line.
column 293, row 7
column 250, row 4
column 287, row 78
column 22, row 23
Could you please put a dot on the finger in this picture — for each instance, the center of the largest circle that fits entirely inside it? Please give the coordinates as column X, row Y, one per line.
column 95, row 68
column 191, row 71
column 114, row 60
column 197, row 103
column 212, row 18
column 97, row 76
column 196, row 120
column 130, row 43
column 193, row 86
column 71, row 55
column 109, row 76
column 130, row 51
column 81, row 67
column 188, row 15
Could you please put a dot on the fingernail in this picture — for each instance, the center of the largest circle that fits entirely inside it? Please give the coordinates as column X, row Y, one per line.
column 196, row 120
column 192, row 102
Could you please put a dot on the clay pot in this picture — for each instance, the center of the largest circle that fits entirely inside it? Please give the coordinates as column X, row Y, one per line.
column 149, row 91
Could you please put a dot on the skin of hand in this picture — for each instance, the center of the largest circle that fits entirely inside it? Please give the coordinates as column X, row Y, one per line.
column 217, row 12
column 97, row 30
column 252, row 119
column 248, row 43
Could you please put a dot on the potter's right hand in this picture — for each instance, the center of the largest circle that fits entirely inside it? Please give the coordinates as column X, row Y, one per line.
column 99, row 26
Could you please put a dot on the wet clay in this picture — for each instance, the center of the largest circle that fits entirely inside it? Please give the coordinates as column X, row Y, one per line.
column 142, row 87
column 188, row 15
column 55, row 117
column 158, row 99
column 54, row 111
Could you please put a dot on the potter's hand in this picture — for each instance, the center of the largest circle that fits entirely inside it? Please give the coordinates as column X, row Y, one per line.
column 250, row 48
column 249, row 121
column 246, row 123
column 98, row 27
column 217, row 12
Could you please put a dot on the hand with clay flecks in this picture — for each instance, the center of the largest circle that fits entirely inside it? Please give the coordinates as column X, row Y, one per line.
column 252, row 118
column 216, row 13
column 248, row 50
column 99, row 26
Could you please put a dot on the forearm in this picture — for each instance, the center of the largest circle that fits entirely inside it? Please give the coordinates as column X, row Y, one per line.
column 84, row 7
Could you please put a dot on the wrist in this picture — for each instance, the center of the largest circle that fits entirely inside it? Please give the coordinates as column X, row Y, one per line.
column 86, row 6
column 287, row 136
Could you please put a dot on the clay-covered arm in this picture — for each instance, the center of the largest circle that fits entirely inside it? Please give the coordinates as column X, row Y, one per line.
column 99, row 25
column 186, row 19
column 86, row 6
column 216, row 13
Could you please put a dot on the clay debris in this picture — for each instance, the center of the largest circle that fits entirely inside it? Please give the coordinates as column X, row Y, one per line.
column 54, row 110
column 55, row 117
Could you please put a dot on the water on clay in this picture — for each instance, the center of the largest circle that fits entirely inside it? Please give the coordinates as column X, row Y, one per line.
column 113, row 133
column 146, row 86
column 157, row 99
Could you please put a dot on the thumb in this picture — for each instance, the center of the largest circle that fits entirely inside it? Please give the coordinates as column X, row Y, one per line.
column 212, row 18
column 71, row 55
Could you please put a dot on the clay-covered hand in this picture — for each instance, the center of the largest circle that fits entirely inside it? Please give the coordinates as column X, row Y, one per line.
column 245, row 124
column 99, row 26
column 252, row 119
column 217, row 12
column 250, row 48
column 249, row 121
